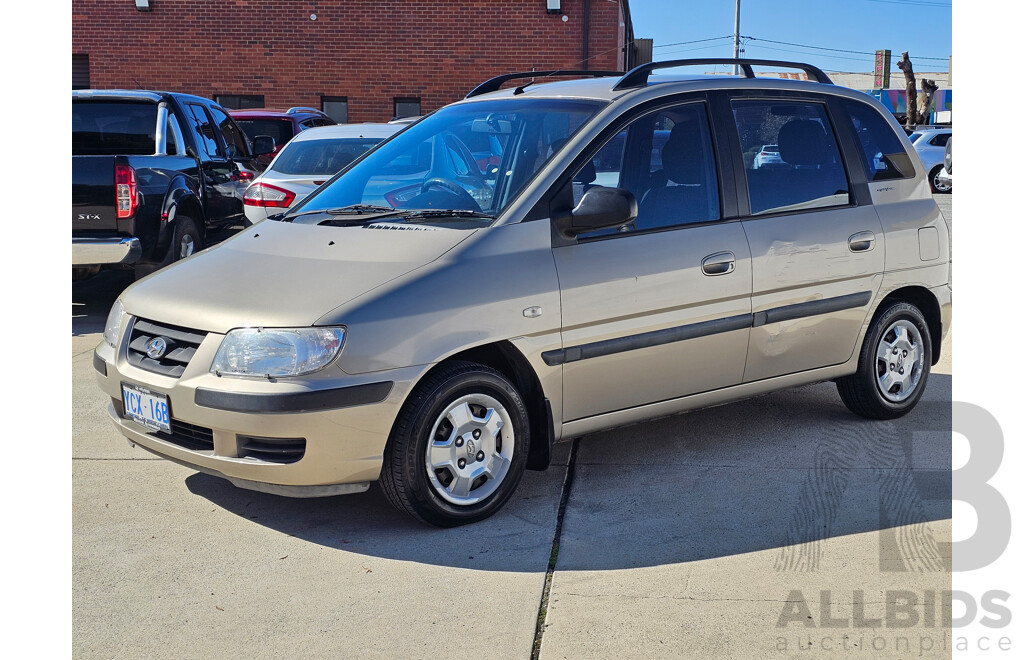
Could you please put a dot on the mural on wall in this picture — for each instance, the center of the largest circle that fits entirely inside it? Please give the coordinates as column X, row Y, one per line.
column 895, row 100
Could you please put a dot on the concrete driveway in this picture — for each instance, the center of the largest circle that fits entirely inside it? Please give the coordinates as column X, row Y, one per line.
column 766, row 528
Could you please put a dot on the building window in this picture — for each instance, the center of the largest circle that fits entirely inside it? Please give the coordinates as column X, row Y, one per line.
column 239, row 101
column 80, row 71
column 335, row 107
column 407, row 107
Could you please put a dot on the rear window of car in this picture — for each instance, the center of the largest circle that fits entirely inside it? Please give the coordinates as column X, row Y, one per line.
column 321, row 157
column 101, row 128
column 279, row 129
column 883, row 151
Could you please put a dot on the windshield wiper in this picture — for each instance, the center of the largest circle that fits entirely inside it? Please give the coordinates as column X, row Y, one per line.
column 433, row 214
column 352, row 209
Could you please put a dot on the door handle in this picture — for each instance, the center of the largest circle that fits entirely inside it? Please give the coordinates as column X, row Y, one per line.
column 862, row 241
column 719, row 263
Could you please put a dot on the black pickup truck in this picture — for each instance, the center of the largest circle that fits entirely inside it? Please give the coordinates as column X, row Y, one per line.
column 152, row 173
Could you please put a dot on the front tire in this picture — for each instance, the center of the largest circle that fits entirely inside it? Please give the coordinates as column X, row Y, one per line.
column 458, row 448
column 894, row 364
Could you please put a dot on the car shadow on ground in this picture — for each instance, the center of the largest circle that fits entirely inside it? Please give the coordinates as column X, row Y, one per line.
column 785, row 470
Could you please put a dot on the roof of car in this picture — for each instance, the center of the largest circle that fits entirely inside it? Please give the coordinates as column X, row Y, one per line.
column 603, row 88
column 349, row 131
column 282, row 113
column 141, row 94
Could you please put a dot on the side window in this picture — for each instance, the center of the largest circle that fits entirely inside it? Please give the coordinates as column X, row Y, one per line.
column 204, row 129
column 940, row 140
column 807, row 172
column 309, row 123
column 666, row 160
column 233, row 137
column 883, row 150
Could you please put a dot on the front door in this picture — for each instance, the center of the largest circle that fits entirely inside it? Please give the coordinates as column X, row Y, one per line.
column 660, row 308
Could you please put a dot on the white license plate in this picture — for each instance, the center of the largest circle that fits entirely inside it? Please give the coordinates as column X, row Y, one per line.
column 147, row 408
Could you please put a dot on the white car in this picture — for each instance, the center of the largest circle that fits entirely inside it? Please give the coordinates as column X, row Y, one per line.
column 307, row 161
column 931, row 147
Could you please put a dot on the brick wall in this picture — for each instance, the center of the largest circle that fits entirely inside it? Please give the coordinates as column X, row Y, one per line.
column 367, row 50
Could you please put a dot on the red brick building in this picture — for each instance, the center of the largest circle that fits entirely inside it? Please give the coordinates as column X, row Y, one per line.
column 361, row 60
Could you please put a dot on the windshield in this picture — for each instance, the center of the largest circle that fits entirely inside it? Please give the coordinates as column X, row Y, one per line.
column 471, row 158
column 321, row 157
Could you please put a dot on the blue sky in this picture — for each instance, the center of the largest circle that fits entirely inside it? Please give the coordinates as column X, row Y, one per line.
column 922, row 27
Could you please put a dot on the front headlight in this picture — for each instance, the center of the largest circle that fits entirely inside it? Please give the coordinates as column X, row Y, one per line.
column 266, row 352
column 112, row 331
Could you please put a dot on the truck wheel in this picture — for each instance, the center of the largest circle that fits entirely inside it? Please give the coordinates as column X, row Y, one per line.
column 895, row 360
column 187, row 240
column 458, row 448
column 185, row 243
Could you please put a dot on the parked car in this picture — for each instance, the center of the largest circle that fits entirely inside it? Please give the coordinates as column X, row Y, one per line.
column 931, row 147
column 282, row 125
column 946, row 174
column 307, row 161
column 768, row 156
column 151, row 173
column 441, row 344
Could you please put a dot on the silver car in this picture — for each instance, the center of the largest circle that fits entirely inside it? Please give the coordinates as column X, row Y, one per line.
column 930, row 145
column 306, row 162
column 442, row 343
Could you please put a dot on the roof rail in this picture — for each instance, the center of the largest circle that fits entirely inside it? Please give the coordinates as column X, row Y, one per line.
column 637, row 77
column 303, row 108
column 497, row 81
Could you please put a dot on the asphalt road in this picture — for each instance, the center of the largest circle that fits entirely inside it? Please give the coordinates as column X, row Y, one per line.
column 720, row 533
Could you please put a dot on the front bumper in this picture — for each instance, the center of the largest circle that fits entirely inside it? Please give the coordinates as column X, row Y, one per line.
column 91, row 251
column 341, row 422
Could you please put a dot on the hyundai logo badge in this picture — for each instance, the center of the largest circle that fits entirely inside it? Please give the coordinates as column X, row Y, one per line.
column 156, row 348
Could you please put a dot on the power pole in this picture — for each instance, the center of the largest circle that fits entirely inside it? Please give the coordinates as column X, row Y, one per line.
column 736, row 41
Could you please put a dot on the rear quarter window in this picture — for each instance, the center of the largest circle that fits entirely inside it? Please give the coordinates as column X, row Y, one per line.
column 884, row 155
column 101, row 128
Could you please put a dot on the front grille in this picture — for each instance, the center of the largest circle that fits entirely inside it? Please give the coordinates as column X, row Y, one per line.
column 272, row 450
column 181, row 346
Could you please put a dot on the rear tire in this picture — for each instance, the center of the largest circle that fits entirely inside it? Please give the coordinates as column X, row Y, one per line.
column 894, row 364
column 458, row 448
column 186, row 241
column 936, row 185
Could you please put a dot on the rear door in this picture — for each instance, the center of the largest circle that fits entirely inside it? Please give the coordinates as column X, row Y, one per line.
column 661, row 308
column 817, row 248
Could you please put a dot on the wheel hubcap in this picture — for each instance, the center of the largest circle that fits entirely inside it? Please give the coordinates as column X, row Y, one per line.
column 899, row 361
column 470, row 449
column 188, row 246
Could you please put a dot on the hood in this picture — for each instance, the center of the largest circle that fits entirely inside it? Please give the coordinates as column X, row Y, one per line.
column 278, row 274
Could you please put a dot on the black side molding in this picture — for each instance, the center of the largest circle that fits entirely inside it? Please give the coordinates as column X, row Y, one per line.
column 704, row 328
column 646, row 339
column 341, row 397
column 99, row 364
column 812, row 308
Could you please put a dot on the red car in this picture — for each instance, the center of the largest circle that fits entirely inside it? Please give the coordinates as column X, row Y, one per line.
column 282, row 125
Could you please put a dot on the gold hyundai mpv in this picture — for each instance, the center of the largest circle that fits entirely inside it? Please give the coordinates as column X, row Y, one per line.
column 536, row 262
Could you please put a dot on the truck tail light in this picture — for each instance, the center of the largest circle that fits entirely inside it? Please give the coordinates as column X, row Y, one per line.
column 127, row 191
column 264, row 194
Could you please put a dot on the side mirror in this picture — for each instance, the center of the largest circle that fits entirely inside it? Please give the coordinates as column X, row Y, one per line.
column 263, row 144
column 600, row 208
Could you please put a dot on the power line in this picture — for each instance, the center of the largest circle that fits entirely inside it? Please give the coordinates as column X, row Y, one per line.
column 695, row 41
column 837, row 50
column 918, row 3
